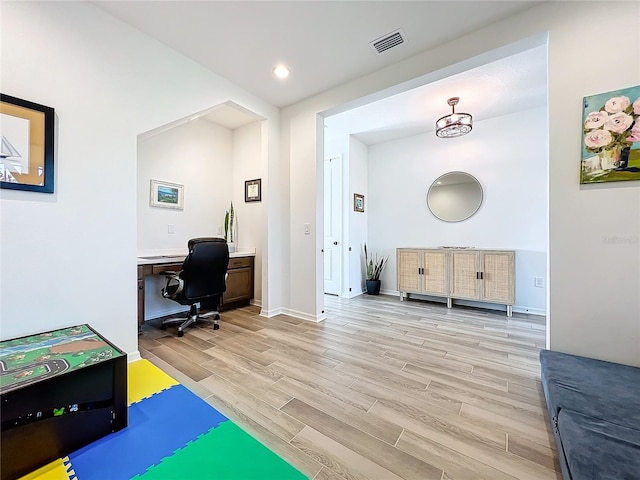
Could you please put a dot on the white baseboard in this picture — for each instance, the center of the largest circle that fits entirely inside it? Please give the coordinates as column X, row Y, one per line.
column 157, row 313
column 471, row 303
column 529, row 310
column 293, row 313
column 270, row 313
column 133, row 356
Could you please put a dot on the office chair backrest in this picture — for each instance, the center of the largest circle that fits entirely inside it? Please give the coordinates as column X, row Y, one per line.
column 204, row 270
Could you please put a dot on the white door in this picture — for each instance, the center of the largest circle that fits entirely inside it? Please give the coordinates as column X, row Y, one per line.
column 333, row 225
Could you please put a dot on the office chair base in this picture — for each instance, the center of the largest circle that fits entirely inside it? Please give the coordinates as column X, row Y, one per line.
column 193, row 317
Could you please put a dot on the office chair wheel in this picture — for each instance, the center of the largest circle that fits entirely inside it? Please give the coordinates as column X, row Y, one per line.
column 215, row 325
column 180, row 333
column 216, row 317
column 163, row 326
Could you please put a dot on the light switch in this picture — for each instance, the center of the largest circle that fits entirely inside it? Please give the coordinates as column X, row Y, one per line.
column 537, row 281
column 307, row 229
column 170, row 228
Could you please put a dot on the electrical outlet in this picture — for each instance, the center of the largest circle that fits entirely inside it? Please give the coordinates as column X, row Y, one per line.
column 307, row 229
column 537, row 281
column 171, row 228
column 219, row 230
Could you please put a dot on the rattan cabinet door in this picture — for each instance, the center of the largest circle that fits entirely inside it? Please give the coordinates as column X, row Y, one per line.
column 465, row 268
column 498, row 284
column 435, row 281
column 409, row 278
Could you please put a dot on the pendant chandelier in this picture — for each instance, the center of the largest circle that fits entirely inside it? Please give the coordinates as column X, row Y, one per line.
column 454, row 124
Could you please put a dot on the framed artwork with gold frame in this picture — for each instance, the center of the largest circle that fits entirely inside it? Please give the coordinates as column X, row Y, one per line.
column 27, row 149
column 358, row 202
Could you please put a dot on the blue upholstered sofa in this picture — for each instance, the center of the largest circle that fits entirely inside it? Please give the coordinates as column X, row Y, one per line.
column 594, row 407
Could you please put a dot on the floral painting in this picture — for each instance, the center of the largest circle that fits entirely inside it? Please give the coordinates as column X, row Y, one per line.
column 611, row 136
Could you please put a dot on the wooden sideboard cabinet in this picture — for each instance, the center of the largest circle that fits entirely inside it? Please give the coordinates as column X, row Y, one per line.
column 465, row 274
column 423, row 271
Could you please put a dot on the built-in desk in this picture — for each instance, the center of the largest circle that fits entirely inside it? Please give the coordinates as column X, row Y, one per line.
column 240, row 278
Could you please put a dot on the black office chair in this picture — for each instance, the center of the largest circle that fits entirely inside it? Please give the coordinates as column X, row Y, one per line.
column 202, row 280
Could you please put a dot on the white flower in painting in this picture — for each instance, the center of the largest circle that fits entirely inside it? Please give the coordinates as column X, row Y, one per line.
column 617, row 104
column 596, row 120
column 597, row 138
column 636, row 106
column 635, row 133
column 619, row 122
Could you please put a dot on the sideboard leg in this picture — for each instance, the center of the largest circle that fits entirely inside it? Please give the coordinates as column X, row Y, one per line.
column 449, row 302
column 509, row 311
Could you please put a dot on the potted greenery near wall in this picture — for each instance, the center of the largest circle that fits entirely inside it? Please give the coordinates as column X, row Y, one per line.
column 228, row 228
column 374, row 264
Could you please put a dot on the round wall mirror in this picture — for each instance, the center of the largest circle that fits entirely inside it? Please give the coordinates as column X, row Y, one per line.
column 454, row 196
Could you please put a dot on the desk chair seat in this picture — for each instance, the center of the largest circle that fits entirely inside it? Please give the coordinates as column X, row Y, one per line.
column 201, row 282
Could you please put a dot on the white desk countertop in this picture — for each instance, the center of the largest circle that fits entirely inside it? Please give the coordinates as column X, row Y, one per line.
column 176, row 257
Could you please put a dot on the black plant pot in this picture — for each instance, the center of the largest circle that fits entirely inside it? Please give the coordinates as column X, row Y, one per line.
column 373, row 287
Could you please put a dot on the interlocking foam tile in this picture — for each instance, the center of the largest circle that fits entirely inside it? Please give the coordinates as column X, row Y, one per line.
column 225, row 452
column 158, row 426
column 172, row 434
column 55, row 470
column 145, row 379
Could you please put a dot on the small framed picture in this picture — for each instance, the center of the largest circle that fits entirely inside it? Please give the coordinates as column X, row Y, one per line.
column 253, row 190
column 358, row 202
column 167, row 195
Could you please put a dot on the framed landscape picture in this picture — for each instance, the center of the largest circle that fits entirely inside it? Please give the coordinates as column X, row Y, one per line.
column 167, row 195
column 26, row 154
column 611, row 136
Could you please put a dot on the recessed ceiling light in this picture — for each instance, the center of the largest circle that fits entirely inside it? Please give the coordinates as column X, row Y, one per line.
column 281, row 71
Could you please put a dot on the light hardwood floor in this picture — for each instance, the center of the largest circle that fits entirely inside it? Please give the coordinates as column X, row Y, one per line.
column 380, row 390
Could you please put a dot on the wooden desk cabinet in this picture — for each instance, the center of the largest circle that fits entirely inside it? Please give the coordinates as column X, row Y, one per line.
column 240, row 281
column 240, row 277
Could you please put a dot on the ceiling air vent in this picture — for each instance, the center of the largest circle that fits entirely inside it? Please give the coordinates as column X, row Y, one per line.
column 388, row 41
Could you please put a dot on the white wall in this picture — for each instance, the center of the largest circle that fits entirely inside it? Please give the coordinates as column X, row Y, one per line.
column 354, row 224
column 358, row 183
column 110, row 83
column 593, row 305
column 197, row 155
column 513, row 214
column 248, row 165
column 70, row 257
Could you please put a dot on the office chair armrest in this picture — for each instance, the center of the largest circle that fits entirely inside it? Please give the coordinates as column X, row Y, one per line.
column 174, row 284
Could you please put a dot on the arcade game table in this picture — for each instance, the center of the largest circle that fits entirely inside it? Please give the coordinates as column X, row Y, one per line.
column 59, row 391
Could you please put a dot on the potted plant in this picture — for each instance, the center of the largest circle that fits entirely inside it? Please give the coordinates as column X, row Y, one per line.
column 228, row 229
column 374, row 265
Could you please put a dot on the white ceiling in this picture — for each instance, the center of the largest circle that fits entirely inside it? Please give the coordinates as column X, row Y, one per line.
column 508, row 85
column 325, row 43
